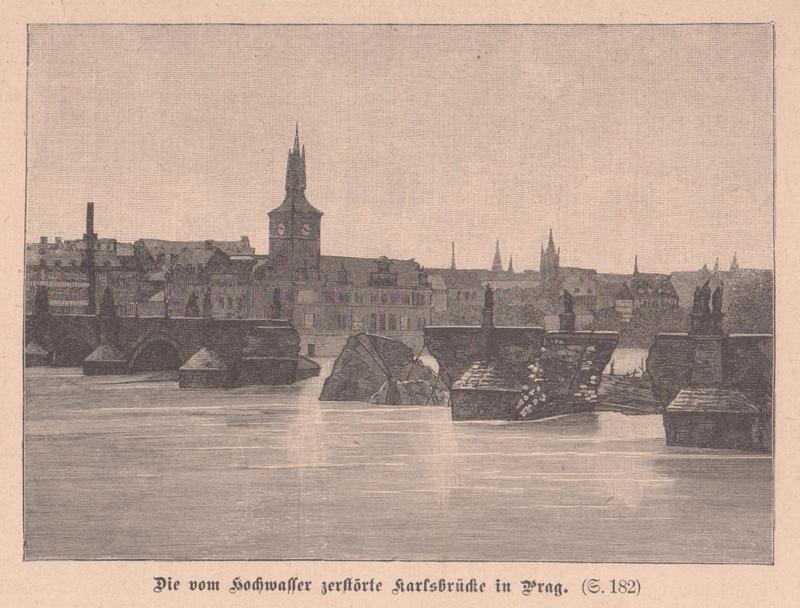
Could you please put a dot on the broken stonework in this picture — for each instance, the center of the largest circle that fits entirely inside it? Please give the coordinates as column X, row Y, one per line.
column 410, row 392
column 367, row 362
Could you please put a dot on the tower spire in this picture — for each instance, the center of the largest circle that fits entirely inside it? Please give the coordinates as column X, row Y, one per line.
column 635, row 264
column 497, row 263
column 296, row 165
column 453, row 255
column 734, row 263
column 510, row 263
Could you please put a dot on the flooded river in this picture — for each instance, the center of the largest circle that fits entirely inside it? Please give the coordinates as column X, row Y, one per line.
column 132, row 467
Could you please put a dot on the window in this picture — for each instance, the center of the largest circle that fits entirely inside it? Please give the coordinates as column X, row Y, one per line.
column 308, row 320
column 382, row 321
column 373, row 321
column 392, row 322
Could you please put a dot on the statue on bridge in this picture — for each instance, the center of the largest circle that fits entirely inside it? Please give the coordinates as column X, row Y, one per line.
column 566, row 319
column 706, row 317
column 705, row 297
column 716, row 299
column 568, row 303
column 488, row 305
column 697, row 301
column 192, row 307
column 208, row 310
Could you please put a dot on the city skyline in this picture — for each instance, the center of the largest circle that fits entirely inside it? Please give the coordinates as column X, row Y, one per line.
column 656, row 140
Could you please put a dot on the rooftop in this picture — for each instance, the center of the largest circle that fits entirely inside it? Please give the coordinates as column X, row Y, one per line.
column 711, row 399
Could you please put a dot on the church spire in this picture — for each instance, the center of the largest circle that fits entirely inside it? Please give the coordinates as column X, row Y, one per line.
column 296, row 165
column 734, row 263
column 510, row 263
column 716, row 265
column 636, row 265
column 497, row 263
column 453, row 255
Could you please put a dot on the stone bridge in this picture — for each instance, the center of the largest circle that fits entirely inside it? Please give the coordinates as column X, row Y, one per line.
column 151, row 343
column 568, row 364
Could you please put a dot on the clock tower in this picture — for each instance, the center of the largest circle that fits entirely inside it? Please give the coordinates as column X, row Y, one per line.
column 294, row 226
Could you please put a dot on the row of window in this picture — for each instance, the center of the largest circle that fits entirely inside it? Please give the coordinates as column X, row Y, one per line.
column 368, row 322
column 395, row 298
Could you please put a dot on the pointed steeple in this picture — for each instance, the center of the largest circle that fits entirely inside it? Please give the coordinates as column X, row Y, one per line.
column 497, row 263
column 549, row 260
column 716, row 265
column 453, row 256
column 636, row 265
column 510, row 263
column 734, row 263
column 296, row 165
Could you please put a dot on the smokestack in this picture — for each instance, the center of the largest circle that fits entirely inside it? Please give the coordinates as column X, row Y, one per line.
column 90, row 222
column 90, row 240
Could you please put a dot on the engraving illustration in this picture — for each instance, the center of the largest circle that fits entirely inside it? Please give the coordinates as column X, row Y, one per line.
column 508, row 296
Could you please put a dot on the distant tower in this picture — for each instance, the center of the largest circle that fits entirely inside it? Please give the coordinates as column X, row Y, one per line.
column 294, row 226
column 453, row 256
column 549, row 260
column 716, row 266
column 497, row 264
column 734, row 263
column 510, row 263
column 90, row 243
column 636, row 265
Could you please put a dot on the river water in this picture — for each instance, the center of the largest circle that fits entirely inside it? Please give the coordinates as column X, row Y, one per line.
column 132, row 467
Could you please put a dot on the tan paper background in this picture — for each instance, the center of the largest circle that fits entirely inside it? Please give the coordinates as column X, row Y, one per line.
column 130, row 583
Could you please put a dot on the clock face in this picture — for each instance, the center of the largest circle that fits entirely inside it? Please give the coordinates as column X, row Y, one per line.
column 305, row 230
column 280, row 229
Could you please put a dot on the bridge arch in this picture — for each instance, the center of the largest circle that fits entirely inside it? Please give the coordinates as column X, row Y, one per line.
column 157, row 352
